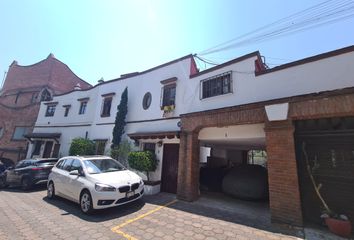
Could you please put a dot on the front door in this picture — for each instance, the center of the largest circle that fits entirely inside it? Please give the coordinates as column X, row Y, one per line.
column 47, row 149
column 169, row 168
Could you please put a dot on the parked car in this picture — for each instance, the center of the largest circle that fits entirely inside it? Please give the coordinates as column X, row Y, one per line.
column 28, row 172
column 95, row 182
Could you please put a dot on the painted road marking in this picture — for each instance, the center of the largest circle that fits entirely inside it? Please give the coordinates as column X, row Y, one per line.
column 116, row 229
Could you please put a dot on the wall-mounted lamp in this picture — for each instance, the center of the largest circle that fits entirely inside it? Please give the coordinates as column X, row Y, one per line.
column 159, row 143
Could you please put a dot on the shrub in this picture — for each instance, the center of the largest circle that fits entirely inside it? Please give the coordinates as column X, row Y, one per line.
column 82, row 146
column 143, row 161
column 121, row 152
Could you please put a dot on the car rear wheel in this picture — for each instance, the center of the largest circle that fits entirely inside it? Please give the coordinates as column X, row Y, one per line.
column 51, row 190
column 26, row 183
column 86, row 202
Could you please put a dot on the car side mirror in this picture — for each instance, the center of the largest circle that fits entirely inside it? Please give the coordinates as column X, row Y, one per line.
column 74, row 173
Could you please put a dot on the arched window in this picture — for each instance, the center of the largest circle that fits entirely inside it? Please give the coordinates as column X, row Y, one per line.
column 46, row 96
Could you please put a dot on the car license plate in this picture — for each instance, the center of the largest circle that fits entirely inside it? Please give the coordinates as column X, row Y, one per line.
column 130, row 194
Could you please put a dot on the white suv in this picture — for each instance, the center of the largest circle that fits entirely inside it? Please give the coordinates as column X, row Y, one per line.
column 94, row 182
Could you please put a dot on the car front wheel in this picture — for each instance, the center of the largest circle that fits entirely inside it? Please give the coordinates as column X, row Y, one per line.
column 86, row 202
column 51, row 190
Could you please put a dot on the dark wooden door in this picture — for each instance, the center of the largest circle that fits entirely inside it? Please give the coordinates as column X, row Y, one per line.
column 169, row 168
column 47, row 149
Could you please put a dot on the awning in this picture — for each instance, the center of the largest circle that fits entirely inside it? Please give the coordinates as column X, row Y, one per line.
column 154, row 135
column 33, row 136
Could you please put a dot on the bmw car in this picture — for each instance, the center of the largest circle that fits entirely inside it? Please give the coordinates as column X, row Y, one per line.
column 95, row 182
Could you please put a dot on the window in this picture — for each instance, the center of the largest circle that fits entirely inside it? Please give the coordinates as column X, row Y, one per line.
column 20, row 132
column 217, row 85
column 149, row 147
column 169, row 94
column 46, row 96
column 37, row 148
column 76, row 165
column 60, row 164
column 67, row 165
column 147, row 100
column 106, row 108
column 257, row 157
column 50, row 111
column 83, row 106
column 66, row 110
column 1, row 132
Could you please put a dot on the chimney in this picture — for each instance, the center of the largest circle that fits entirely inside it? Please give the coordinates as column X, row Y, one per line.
column 77, row 87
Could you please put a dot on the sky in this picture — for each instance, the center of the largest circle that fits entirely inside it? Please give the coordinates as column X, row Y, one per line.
column 108, row 38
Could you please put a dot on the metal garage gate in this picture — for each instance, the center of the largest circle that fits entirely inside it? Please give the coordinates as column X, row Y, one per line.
column 329, row 147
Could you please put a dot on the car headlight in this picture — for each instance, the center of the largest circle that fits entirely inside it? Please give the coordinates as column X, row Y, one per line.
column 100, row 187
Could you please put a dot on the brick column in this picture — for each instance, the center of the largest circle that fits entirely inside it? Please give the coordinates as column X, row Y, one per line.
column 284, row 193
column 188, row 167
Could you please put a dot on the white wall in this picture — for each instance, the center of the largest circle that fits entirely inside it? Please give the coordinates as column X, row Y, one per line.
column 323, row 75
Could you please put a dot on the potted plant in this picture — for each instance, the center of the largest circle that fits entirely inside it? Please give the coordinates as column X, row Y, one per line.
column 337, row 223
column 168, row 110
column 145, row 161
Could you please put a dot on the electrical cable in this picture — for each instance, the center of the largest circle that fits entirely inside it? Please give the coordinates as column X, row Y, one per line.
column 318, row 15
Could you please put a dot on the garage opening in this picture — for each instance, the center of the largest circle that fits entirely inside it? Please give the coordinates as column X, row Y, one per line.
column 233, row 167
column 326, row 147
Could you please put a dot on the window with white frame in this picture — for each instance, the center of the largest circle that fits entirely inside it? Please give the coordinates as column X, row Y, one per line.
column 50, row 110
column 216, row 85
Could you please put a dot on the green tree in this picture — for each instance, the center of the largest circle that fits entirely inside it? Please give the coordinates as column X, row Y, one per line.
column 82, row 146
column 143, row 161
column 119, row 123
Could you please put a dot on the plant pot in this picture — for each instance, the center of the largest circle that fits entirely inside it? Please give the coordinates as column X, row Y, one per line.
column 339, row 227
column 152, row 187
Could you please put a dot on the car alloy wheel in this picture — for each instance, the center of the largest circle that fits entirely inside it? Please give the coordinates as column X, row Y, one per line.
column 51, row 190
column 86, row 202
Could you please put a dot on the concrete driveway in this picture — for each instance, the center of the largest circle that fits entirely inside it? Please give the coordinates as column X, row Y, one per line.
column 30, row 215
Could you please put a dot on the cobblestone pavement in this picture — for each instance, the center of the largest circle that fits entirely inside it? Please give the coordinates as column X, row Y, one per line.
column 30, row 215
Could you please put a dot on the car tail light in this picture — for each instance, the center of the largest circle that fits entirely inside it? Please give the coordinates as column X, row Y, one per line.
column 36, row 169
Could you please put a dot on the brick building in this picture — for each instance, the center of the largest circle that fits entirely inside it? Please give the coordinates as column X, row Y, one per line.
column 22, row 91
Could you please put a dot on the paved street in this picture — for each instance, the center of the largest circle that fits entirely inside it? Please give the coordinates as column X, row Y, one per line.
column 30, row 215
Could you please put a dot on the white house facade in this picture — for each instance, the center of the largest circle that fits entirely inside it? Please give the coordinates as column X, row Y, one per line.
column 218, row 117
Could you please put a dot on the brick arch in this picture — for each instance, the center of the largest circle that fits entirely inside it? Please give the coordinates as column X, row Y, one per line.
column 188, row 167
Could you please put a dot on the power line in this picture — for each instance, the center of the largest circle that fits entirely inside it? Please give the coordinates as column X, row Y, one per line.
column 324, row 13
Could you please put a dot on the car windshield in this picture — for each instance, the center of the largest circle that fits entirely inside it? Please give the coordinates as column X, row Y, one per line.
column 94, row 166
